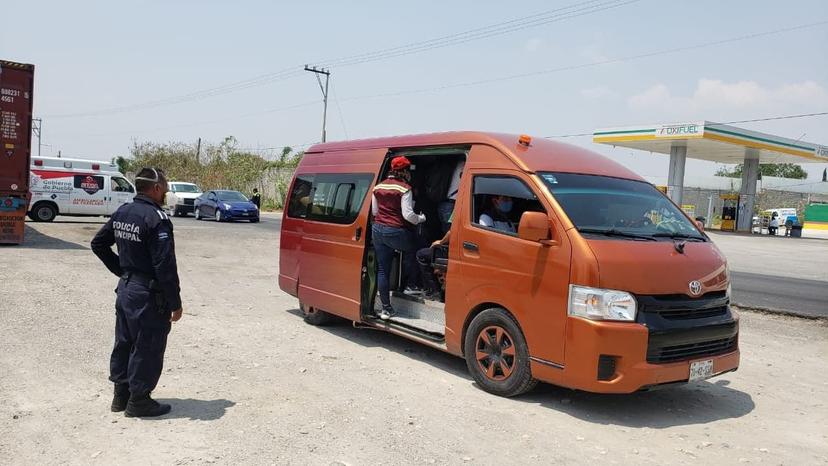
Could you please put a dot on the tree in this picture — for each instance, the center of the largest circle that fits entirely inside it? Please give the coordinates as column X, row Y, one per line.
column 781, row 170
column 124, row 165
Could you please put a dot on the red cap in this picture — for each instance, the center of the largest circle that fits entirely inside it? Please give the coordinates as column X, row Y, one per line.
column 400, row 163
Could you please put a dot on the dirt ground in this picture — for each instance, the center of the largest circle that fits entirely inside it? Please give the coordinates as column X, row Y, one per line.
column 251, row 383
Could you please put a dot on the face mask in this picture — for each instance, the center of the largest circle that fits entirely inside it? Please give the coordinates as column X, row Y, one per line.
column 505, row 206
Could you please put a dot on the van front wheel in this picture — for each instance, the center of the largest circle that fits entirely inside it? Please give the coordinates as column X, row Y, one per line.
column 314, row 316
column 497, row 355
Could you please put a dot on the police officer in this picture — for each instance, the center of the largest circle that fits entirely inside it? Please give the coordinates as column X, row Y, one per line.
column 148, row 294
column 256, row 198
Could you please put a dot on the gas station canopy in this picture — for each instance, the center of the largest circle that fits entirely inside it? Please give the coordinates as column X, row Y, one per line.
column 717, row 143
column 714, row 142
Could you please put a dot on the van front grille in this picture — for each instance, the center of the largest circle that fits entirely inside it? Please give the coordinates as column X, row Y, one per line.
column 691, row 350
column 682, row 307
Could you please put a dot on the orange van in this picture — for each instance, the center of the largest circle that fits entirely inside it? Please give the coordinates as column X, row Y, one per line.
column 593, row 280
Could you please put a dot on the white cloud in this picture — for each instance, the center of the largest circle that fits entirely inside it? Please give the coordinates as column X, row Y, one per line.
column 713, row 96
column 652, row 97
column 599, row 92
column 592, row 53
column 532, row 45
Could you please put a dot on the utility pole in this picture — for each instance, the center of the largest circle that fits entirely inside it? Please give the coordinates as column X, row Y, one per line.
column 198, row 151
column 317, row 71
column 37, row 128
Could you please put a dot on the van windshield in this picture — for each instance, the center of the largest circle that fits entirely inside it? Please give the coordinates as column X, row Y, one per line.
column 184, row 188
column 614, row 207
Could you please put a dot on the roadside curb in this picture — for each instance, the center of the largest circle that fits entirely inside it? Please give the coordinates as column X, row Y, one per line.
column 779, row 312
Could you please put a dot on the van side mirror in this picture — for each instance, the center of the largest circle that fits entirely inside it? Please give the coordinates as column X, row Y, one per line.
column 534, row 226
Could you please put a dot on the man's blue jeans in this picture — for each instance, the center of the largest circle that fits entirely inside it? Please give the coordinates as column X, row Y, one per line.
column 386, row 240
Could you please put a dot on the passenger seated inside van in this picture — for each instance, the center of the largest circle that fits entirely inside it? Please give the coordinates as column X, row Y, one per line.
column 497, row 216
column 428, row 258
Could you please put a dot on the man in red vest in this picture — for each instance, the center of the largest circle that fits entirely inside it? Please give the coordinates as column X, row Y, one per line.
column 394, row 218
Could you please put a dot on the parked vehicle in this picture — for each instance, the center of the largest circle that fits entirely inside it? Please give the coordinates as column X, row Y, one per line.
column 76, row 187
column 599, row 283
column 782, row 214
column 225, row 205
column 16, row 100
column 180, row 199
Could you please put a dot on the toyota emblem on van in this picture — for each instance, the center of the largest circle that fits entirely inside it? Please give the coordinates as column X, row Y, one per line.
column 695, row 287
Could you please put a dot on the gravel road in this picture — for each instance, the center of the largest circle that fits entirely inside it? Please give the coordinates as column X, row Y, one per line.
column 250, row 383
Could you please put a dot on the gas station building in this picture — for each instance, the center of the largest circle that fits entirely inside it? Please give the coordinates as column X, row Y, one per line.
column 714, row 142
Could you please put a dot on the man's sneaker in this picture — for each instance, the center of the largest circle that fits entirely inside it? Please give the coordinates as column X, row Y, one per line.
column 386, row 313
column 412, row 291
column 144, row 406
column 121, row 398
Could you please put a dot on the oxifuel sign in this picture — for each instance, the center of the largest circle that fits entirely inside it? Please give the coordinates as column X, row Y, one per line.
column 679, row 131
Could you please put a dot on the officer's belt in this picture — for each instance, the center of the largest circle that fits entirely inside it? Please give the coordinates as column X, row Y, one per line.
column 137, row 277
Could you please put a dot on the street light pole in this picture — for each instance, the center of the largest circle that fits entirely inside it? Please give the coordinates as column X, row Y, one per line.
column 327, row 73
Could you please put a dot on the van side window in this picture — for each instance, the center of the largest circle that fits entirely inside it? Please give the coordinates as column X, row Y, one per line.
column 299, row 200
column 332, row 197
column 499, row 201
column 121, row 185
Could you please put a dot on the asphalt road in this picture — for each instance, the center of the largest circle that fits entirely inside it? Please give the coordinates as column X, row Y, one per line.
column 799, row 296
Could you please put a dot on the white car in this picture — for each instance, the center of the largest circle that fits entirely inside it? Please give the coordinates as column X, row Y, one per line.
column 181, row 197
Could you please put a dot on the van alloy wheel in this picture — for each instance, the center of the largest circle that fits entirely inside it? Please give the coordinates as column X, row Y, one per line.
column 495, row 353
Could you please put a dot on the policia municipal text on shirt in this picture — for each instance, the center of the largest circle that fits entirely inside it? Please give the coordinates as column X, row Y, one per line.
column 148, row 293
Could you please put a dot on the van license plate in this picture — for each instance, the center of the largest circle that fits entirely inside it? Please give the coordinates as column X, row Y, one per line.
column 700, row 370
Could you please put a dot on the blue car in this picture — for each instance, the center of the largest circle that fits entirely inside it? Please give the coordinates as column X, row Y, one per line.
column 225, row 205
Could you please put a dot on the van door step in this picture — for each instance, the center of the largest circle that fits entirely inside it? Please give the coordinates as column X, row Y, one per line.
column 428, row 316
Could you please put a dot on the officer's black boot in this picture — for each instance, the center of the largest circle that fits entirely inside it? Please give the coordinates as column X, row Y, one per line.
column 119, row 401
column 144, row 406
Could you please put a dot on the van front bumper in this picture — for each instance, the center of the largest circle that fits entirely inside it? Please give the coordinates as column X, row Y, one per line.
column 613, row 357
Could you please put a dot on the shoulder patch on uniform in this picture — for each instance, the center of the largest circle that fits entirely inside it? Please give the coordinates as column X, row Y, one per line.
column 163, row 235
column 162, row 215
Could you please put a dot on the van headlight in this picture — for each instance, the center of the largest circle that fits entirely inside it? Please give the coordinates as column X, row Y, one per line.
column 600, row 304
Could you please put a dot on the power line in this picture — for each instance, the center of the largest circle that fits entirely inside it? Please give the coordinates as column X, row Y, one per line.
column 558, row 14
column 590, row 64
column 510, row 77
column 339, row 108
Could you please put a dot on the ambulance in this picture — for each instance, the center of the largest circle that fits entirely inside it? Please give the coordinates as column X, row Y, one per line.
column 76, row 187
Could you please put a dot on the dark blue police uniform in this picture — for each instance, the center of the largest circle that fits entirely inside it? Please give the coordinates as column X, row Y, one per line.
column 147, row 293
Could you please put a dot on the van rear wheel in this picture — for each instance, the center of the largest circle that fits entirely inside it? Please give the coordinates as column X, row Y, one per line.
column 44, row 212
column 497, row 355
column 315, row 316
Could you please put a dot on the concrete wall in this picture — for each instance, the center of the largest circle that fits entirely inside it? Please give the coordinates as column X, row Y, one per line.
column 765, row 199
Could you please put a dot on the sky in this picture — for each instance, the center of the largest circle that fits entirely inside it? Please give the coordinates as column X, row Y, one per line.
column 109, row 74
